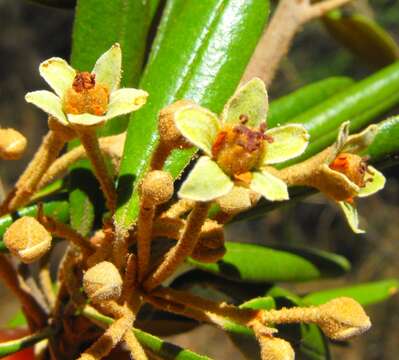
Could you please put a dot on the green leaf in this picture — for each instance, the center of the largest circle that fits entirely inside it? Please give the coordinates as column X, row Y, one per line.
column 366, row 294
column 255, row 263
column 361, row 104
column 260, row 303
column 19, row 320
column 363, row 37
column 386, row 142
column 290, row 106
column 98, row 25
column 13, row 346
column 193, row 57
column 58, row 208
column 159, row 347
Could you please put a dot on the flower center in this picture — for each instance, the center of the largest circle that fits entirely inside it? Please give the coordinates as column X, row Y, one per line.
column 239, row 149
column 86, row 96
column 353, row 167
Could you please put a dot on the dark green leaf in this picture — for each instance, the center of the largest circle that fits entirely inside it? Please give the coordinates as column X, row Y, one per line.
column 365, row 294
column 200, row 55
column 255, row 263
column 313, row 344
column 363, row 36
column 292, row 105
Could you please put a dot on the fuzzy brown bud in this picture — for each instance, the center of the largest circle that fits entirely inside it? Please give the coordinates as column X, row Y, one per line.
column 12, row 144
column 27, row 239
column 157, row 187
column 343, row 318
column 168, row 132
column 102, row 282
column 236, row 201
column 275, row 349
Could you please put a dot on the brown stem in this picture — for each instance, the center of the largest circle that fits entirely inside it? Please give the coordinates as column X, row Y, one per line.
column 45, row 281
column 27, row 184
column 90, row 142
column 288, row 19
column 32, row 309
column 64, row 231
column 112, row 146
column 184, row 247
column 160, row 155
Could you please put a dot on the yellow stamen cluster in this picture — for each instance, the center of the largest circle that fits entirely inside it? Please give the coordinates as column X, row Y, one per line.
column 86, row 96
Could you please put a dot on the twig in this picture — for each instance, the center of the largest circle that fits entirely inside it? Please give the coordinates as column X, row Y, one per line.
column 275, row 43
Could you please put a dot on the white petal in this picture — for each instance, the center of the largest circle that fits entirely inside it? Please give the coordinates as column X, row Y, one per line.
column 48, row 102
column 108, row 68
column 269, row 186
column 358, row 142
column 124, row 101
column 289, row 141
column 249, row 100
column 376, row 184
column 86, row 119
column 351, row 216
column 342, row 137
column 198, row 125
column 58, row 74
column 205, row 182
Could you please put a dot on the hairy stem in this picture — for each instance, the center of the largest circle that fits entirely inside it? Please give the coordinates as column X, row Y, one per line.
column 184, row 247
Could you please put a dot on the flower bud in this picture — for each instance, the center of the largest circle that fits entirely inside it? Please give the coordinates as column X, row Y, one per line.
column 27, row 239
column 236, row 201
column 102, row 282
column 168, row 132
column 343, row 318
column 275, row 349
column 157, row 187
column 12, row 144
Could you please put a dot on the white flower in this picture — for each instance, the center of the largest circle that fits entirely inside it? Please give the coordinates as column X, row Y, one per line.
column 237, row 148
column 86, row 99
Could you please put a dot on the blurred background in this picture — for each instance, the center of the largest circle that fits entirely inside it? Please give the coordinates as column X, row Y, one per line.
column 30, row 33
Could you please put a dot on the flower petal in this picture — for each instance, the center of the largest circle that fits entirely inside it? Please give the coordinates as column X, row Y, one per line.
column 358, row 142
column 198, row 125
column 249, row 100
column 269, row 186
column 289, row 141
column 86, row 119
column 58, row 74
column 205, row 182
column 334, row 184
column 351, row 216
column 108, row 68
column 124, row 101
column 48, row 102
column 374, row 182
column 342, row 137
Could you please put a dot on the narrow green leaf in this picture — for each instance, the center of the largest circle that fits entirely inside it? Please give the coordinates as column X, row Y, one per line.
column 290, row 106
column 386, row 141
column 260, row 303
column 13, row 346
column 199, row 55
column 98, row 25
column 255, row 263
column 365, row 294
column 161, row 348
column 362, row 36
column 361, row 104
column 57, row 209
